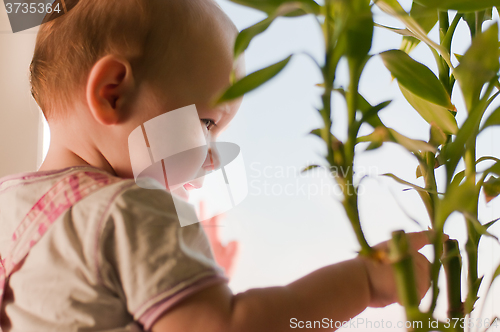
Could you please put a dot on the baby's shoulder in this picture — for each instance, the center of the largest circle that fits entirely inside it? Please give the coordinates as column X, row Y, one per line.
column 126, row 214
column 136, row 207
column 128, row 198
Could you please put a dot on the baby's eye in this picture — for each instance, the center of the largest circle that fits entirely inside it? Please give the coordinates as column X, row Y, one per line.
column 209, row 123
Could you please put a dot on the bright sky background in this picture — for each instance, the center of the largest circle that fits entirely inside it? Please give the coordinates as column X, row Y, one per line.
column 285, row 235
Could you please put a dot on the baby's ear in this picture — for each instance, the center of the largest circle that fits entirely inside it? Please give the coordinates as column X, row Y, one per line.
column 109, row 86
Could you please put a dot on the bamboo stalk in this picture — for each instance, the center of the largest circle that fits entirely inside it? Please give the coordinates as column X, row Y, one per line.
column 471, row 248
column 350, row 202
column 430, row 183
column 350, row 195
column 452, row 263
column 435, row 268
column 402, row 263
column 444, row 69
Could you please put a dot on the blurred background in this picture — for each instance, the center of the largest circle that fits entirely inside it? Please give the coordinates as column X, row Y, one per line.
column 21, row 139
column 290, row 224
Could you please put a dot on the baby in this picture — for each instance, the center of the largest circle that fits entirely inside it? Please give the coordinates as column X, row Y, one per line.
column 108, row 255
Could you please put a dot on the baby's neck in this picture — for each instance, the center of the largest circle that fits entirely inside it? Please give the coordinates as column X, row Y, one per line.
column 60, row 157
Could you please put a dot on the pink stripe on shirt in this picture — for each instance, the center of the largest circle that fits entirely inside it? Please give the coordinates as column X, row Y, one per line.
column 155, row 312
column 29, row 175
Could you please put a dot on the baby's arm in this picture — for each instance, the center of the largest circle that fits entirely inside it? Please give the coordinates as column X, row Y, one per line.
column 337, row 292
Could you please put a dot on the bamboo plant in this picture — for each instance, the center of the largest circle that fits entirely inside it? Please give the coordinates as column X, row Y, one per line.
column 348, row 28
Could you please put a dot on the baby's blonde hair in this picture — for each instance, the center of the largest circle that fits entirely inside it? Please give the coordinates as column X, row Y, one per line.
column 68, row 46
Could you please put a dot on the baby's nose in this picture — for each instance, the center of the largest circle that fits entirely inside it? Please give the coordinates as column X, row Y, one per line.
column 213, row 161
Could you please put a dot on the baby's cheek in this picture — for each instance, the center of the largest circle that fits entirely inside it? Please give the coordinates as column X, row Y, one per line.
column 184, row 167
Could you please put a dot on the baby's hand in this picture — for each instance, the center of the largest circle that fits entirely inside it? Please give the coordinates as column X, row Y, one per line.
column 381, row 275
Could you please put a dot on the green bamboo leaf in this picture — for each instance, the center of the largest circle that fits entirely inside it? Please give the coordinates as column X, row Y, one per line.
column 481, row 229
column 379, row 135
column 337, row 146
column 351, row 33
column 491, row 223
column 440, row 159
column 402, row 32
column 496, row 274
column 416, row 78
column 493, row 119
column 437, row 164
column 393, row 8
column 252, row 81
column 491, row 188
column 409, row 184
column 473, row 19
column 310, row 167
column 462, row 6
column 383, row 134
column 453, row 152
column 457, row 198
column 471, row 301
column 374, row 145
column 418, row 172
column 369, row 113
column 316, row 132
column 404, row 210
column 426, row 18
column 494, row 169
column 270, row 6
column 479, row 65
column 359, row 30
column 431, row 112
column 437, row 135
column 246, row 35
column 486, row 158
column 412, row 145
column 457, row 179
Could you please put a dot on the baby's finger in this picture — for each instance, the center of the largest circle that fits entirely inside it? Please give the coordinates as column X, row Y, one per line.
column 417, row 240
column 422, row 269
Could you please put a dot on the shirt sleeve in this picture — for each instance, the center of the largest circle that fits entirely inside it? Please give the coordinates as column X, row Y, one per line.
column 148, row 259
